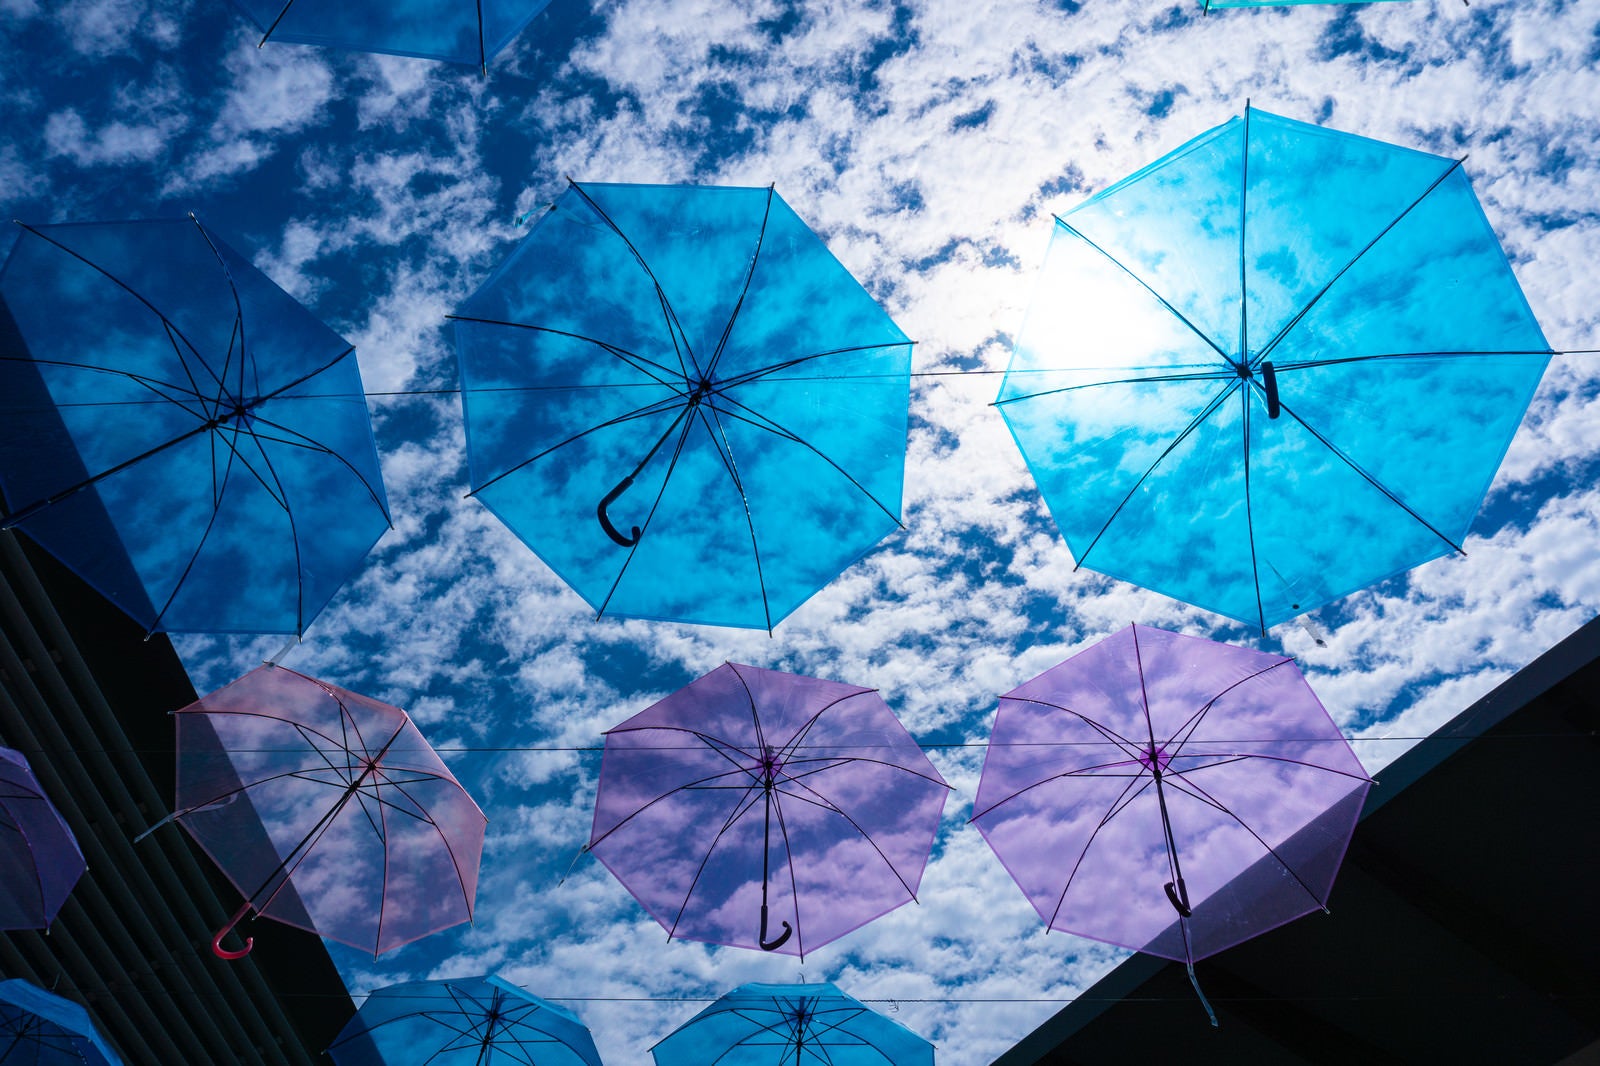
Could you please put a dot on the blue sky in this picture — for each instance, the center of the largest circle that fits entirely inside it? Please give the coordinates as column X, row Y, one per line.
column 928, row 144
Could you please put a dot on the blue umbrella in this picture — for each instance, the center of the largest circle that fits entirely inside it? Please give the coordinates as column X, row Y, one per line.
column 178, row 430
column 791, row 1025
column 1277, row 365
column 683, row 403
column 38, row 1028
column 456, row 31
column 474, row 1021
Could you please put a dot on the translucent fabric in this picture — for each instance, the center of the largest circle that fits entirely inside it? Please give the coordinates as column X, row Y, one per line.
column 456, row 31
column 470, row 1021
column 683, row 403
column 39, row 1028
column 179, row 431
column 760, row 809
column 1277, row 365
column 39, row 857
column 791, row 1025
column 327, row 810
column 1155, row 769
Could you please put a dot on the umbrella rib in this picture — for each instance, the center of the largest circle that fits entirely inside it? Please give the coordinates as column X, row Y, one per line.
column 1205, row 375
column 1226, row 757
column 822, row 800
column 647, row 411
column 755, row 713
column 155, row 385
column 272, row 28
column 655, row 505
column 130, row 290
column 295, row 439
column 1309, row 364
column 238, row 316
column 674, row 327
column 200, row 545
column 1125, row 797
column 1206, row 797
column 770, row 425
column 1186, row 729
column 749, row 276
column 1179, row 315
column 1244, row 291
column 1315, row 299
column 697, row 785
column 645, row 366
column 1194, row 424
column 426, row 817
column 758, row 373
column 34, row 508
column 724, row 451
column 839, row 760
column 738, row 811
column 1369, row 479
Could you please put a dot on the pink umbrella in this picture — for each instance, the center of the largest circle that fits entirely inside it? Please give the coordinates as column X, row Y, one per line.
column 1169, row 794
column 754, row 808
column 327, row 810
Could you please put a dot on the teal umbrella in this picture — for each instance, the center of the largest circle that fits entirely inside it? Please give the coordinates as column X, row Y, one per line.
column 791, row 1025
column 1275, row 366
column 455, row 31
column 684, row 403
column 469, row 1021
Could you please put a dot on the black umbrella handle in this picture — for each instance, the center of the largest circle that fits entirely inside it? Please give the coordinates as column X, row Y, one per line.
column 1179, row 899
column 1269, row 381
column 605, row 520
column 783, row 937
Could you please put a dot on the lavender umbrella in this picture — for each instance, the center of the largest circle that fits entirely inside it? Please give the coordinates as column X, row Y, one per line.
column 754, row 808
column 1169, row 794
column 39, row 857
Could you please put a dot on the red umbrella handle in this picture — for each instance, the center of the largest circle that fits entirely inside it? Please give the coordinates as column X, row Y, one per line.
column 249, row 941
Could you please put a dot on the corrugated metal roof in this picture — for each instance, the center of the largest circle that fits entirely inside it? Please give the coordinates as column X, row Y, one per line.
column 86, row 698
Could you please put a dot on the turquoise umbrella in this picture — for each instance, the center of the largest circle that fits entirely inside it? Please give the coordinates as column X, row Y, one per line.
column 469, row 1021
column 791, row 1025
column 684, row 403
column 1275, row 366
column 456, row 31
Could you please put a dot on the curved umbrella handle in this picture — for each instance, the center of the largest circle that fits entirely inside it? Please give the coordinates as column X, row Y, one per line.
column 783, row 937
column 1178, row 899
column 605, row 521
column 1269, row 381
column 249, row 941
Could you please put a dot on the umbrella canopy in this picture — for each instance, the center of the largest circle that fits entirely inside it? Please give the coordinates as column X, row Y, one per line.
column 38, row 1028
column 754, row 808
column 1275, row 366
column 1169, row 794
column 456, row 31
column 39, row 857
column 791, row 1025
column 179, row 431
column 474, row 1021
column 683, row 403
column 327, row 810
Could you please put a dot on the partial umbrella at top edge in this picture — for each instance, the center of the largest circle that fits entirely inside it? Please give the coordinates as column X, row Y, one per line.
column 453, row 31
column 178, row 430
column 683, row 403
column 1277, row 365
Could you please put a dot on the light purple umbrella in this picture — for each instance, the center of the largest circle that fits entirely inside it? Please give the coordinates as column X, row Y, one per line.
column 767, row 810
column 1169, row 794
column 39, row 857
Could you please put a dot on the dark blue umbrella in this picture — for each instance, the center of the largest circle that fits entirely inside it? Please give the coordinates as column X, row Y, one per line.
column 38, row 1028
column 39, row 857
column 791, row 1025
column 1277, row 365
column 683, row 403
column 457, row 31
column 179, row 431
column 471, row 1021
